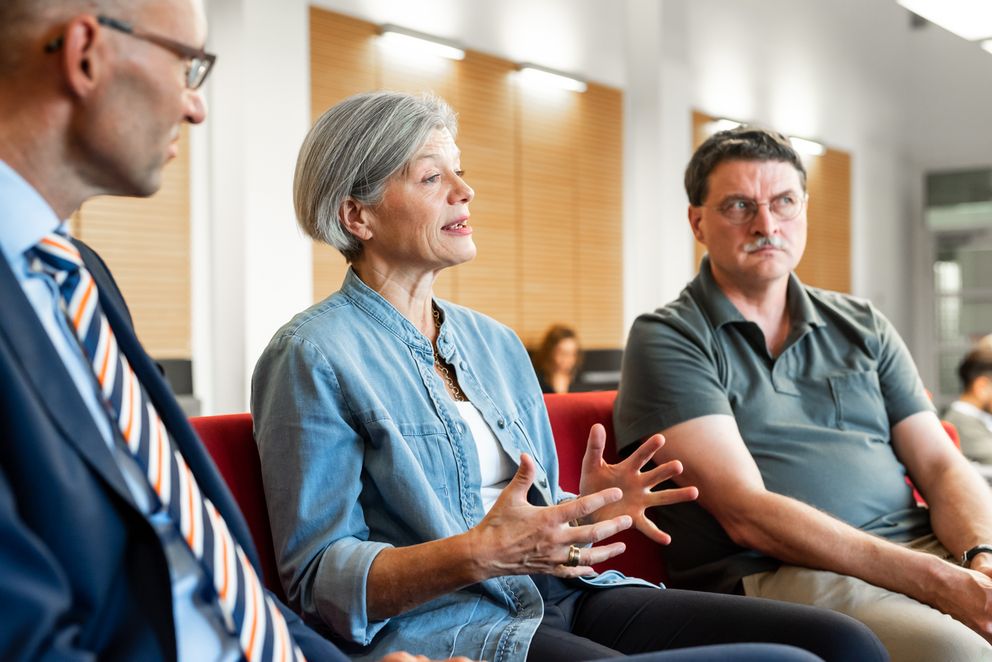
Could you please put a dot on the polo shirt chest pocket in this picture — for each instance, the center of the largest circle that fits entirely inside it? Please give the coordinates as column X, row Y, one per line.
column 859, row 403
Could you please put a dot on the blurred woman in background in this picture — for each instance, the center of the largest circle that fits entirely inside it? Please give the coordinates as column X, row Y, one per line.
column 557, row 359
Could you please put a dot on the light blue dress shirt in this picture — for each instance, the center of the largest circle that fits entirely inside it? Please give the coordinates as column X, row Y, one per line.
column 25, row 218
column 362, row 449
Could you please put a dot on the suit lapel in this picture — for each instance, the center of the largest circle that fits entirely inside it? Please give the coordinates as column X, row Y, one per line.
column 186, row 441
column 45, row 371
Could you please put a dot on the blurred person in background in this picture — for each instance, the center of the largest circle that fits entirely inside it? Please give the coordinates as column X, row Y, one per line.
column 557, row 359
column 971, row 413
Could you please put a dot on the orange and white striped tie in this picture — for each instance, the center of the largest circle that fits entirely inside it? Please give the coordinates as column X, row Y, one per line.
column 249, row 613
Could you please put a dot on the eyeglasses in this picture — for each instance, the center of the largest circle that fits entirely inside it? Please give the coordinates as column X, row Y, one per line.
column 198, row 61
column 741, row 211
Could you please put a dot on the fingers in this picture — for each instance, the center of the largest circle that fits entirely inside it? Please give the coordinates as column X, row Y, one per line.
column 649, row 529
column 593, row 533
column 677, row 495
column 576, row 509
column 523, row 479
column 588, row 557
column 645, row 452
column 594, row 448
column 663, row 472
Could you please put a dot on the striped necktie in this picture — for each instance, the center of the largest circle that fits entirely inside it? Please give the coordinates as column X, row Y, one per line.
column 249, row 613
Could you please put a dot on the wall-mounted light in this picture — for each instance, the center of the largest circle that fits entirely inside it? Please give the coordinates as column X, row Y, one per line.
column 541, row 76
column 987, row 45
column 804, row 146
column 968, row 19
column 409, row 41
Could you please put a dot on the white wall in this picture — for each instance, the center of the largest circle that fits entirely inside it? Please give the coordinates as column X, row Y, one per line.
column 851, row 73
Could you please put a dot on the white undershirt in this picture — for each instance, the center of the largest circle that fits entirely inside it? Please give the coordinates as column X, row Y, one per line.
column 495, row 465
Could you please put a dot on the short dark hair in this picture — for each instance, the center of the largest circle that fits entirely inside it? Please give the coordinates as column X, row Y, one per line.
column 976, row 363
column 743, row 143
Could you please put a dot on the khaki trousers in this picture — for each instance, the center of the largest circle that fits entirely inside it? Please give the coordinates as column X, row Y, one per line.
column 910, row 630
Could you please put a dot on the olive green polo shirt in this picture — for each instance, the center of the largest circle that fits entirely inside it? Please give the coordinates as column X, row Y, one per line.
column 816, row 419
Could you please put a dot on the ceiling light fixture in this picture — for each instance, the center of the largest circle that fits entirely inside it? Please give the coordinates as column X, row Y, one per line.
column 538, row 75
column 969, row 19
column 804, row 146
column 409, row 41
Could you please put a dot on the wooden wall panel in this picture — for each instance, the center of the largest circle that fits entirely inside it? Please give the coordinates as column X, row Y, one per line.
column 487, row 122
column 342, row 63
column 546, row 166
column 146, row 244
column 549, row 210
column 599, row 299
column 827, row 260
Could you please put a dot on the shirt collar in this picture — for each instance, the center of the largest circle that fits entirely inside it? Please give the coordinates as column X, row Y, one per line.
column 971, row 410
column 383, row 312
column 720, row 310
column 25, row 217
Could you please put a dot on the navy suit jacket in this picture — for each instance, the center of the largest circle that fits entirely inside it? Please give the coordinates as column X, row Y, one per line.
column 82, row 573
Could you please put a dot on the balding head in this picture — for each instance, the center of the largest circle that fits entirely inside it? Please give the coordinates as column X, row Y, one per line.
column 90, row 106
column 26, row 25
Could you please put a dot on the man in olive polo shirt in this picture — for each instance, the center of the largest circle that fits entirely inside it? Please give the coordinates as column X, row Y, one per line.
column 798, row 413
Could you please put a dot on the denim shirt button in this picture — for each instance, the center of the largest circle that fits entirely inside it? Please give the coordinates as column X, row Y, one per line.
column 463, row 365
column 543, row 482
column 501, row 423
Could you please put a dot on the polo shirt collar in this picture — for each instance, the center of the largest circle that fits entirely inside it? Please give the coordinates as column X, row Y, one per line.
column 720, row 310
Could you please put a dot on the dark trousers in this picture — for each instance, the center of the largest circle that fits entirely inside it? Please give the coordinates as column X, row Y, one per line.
column 593, row 624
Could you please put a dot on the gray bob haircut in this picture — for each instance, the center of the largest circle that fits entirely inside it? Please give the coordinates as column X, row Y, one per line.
column 353, row 150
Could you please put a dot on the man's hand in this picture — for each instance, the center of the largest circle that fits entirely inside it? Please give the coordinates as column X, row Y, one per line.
column 636, row 485
column 967, row 597
column 982, row 563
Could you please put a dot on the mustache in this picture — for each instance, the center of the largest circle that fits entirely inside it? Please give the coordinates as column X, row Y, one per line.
column 774, row 241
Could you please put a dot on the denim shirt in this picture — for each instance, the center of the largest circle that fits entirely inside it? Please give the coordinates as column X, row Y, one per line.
column 363, row 449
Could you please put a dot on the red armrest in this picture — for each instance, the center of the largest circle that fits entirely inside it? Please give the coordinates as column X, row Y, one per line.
column 571, row 415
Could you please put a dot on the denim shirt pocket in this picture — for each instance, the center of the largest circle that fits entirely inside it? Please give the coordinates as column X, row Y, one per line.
column 432, row 449
column 859, row 402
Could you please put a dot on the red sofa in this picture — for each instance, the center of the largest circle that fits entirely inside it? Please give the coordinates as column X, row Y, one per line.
column 229, row 440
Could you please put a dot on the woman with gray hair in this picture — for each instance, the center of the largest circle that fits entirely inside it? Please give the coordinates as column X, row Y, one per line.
column 408, row 462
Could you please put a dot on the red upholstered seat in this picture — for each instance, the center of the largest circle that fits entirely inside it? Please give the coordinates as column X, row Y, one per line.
column 572, row 414
column 230, row 442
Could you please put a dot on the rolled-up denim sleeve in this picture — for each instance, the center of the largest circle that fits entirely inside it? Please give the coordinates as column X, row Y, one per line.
column 311, row 457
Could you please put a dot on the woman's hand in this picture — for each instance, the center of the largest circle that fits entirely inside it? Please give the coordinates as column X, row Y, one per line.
column 636, row 485
column 517, row 538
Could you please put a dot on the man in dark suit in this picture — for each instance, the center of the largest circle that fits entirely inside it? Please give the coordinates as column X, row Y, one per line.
column 97, row 560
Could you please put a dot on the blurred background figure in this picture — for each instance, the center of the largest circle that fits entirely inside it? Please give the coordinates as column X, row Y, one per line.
column 557, row 359
column 971, row 413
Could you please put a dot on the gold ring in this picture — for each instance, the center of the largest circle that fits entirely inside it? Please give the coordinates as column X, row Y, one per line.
column 573, row 556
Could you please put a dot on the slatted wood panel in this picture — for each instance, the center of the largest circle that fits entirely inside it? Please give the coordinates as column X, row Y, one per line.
column 342, row 62
column 146, row 244
column 546, row 166
column 487, row 123
column 827, row 260
column 600, row 242
column 549, row 210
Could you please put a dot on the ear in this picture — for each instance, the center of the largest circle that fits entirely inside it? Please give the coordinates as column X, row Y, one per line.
column 695, row 217
column 356, row 218
column 81, row 55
